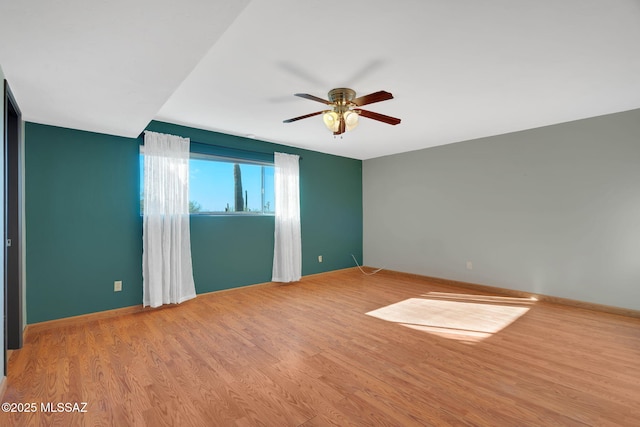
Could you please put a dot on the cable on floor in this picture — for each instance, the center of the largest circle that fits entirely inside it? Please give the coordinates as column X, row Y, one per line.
column 364, row 272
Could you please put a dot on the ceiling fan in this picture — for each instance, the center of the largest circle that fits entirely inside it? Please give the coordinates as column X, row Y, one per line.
column 343, row 113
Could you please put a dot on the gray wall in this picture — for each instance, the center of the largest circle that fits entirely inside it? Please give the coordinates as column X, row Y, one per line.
column 553, row 210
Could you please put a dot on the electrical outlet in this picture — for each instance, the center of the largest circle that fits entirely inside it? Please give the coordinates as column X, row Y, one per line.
column 319, row 258
column 117, row 286
column 469, row 265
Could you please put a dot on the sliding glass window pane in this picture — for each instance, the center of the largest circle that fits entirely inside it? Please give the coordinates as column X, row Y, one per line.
column 219, row 186
column 210, row 186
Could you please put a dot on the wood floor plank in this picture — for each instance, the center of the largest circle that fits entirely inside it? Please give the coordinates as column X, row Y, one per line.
column 336, row 349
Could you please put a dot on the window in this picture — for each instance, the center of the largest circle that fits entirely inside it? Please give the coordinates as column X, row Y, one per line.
column 223, row 185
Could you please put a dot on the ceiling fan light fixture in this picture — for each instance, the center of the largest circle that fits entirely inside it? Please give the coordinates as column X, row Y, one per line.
column 345, row 110
column 350, row 119
column 331, row 120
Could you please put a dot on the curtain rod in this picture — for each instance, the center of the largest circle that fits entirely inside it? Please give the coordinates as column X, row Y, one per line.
column 234, row 149
column 222, row 146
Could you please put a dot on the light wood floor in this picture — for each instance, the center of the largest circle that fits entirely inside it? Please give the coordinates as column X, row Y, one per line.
column 337, row 349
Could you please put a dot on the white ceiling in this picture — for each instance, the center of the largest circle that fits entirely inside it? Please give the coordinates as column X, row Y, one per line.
column 458, row 69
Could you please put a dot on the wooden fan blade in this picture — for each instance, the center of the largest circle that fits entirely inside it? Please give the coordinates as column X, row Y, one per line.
column 377, row 116
column 313, row 98
column 372, row 97
column 302, row 117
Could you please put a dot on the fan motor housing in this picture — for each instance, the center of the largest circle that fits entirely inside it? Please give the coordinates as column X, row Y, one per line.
column 342, row 95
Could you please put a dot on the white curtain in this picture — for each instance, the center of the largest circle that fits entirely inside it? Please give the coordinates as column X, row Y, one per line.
column 167, row 273
column 287, row 253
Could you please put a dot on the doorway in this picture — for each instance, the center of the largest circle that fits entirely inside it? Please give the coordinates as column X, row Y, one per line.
column 13, row 309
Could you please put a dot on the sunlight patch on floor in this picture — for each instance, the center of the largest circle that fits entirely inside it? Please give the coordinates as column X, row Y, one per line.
column 464, row 317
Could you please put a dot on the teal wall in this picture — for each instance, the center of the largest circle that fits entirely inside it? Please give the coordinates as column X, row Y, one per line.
column 84, row 229
column 82, row 221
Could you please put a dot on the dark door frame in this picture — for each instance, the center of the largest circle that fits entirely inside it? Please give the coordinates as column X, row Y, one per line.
column 13, row 287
